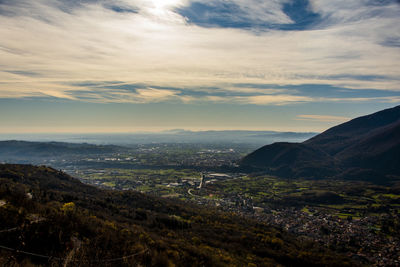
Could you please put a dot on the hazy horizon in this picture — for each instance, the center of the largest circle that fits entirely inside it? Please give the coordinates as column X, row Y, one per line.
column 177, row 136
column 161, row 131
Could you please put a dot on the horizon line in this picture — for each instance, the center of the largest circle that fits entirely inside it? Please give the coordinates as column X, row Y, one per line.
column 155, row 132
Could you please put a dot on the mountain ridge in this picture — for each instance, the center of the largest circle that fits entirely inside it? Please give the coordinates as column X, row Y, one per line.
column 359, row 127
column 368, row 145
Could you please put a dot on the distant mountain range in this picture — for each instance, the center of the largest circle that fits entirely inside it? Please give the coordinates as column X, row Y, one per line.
column 365, row 148
column 172, row 136
column 22, row 150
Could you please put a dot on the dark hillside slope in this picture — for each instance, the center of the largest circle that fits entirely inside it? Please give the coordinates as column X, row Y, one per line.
column 23, row 149
column 48, row 218
column 365, row 148
column 279, row 154
column 288, row 159
column 379, row 151
column 344, row 135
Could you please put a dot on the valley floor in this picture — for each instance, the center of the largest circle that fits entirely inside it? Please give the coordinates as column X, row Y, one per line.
column 358, row 219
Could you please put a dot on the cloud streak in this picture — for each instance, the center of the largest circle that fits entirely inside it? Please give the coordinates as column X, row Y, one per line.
column 322, row 118
column 240, row 94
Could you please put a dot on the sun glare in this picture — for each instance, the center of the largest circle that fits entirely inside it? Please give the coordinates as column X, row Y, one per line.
column 163, row 4
column 162, row 9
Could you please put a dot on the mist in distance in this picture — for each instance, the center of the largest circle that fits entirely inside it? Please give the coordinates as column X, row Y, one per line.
column 170, row 136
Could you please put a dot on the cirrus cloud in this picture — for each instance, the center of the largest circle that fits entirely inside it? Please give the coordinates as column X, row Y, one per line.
column 47, row 45
column 322, row 118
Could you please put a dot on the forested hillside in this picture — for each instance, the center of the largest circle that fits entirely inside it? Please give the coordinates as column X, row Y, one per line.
column 365, row 148
column 49, row 218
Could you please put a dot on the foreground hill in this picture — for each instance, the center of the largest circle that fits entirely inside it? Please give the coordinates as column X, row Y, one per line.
column 50, row 218
column 367, row 147
column 16, row 150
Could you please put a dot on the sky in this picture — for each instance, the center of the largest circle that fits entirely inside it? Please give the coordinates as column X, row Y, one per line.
column 87, row 66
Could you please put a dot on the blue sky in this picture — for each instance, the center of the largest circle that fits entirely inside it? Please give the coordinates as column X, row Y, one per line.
column 151, row 65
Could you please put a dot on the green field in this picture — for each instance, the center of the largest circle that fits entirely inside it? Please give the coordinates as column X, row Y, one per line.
column 338, row 197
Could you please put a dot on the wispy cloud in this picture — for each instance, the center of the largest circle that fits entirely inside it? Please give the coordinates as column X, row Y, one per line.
column 136, row 94
column 322, row 118
column 256, row 94
column 48, row 45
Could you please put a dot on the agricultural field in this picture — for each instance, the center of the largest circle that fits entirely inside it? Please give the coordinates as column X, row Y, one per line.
column 163, row 182
column 337, row 197
column 357, row 218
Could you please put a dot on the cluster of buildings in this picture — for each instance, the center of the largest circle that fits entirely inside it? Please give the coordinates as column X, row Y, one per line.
column 360, row 238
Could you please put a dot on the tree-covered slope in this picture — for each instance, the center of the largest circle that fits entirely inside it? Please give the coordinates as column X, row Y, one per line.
column 24, row 150
column 49, row 218
column 366, row 148
column 340, row 137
